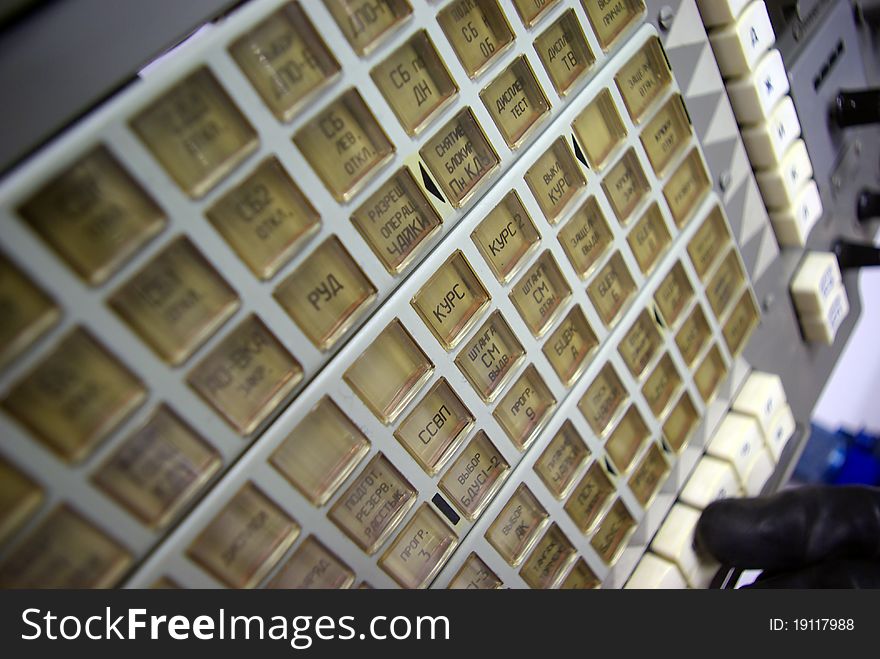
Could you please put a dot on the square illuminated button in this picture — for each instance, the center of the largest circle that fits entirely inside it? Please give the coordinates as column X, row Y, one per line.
column 613, row 533
column 517, row 526
column 515, row 101
column 326, row 294
column 366, row 23
column 625, row 186
column 663, row 383
column 94, row 215
column 648, row 475
column 642, row 79
column 285, row 59
column 738, row 327
column 725, row 283
column 540, row 294
column 415, row 82
column 321, row 452
column 506, row 236
column 176, row 301
column 686, row 188
column 28, row 312
column 452, row 300
column 589, row 498
column 549, row 561
column 490, row 357
column 266, row 219
column 568, row 347
column 246, row 376
column 710, row 373
column 460, row 156
column 586, row 237
column 673, row 294
column 581, row 577
column 390, row 372
column 562, row 460
column 421, row 550
column 75, row 397
column 474, row 574
column 640, row 344
column 610, row 18
column 681, row 423
column 564, row 52
column 196, row 133
column 345, row 145
column 627, row 438
column 709, row 242
column 602, row 399
column 693, row 335
column 649, row 238
column 555, row 179
column 525, row 408
column 374, row 504
column 313, row 567
column 396, row 221
column 666, row 134
column 435, row 427
column 65, row 551
column 158, row 469
column 20, row 497
column 611, row 289
column 599, row 129
column 475, row 476
column 245, row 540
column 477, row 30
column 531, row 11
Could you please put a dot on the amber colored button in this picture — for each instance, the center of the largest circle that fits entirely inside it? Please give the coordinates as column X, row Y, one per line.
column 569, row 345
column 266, row 219
column 245, row 540
column 611, row 289
column 524, row 409
column 610, row 18
column 581, row 577
column 666, row 134
column 540, row 294
column 613, row 533
column 643, row 78
column 725, row 283
column 460, row 156
column 599, row 129
column 490, row 357
column 517, row 526
column 415, row 82
column 562, row 460
column 555, row 179
column 625, row 186
column 421, row 550
column 19, row 499
column 589, row 498
column 75, row 397
column 321, row 451
column 515, row 101
column 159, row 469
column 602, row 399
column 549, row 560
column 175, row 302
column 673, row 294
column 585, row 237
column 686, row 188
column 710, row 373
column 326, row 294
column 681, row 423
column 65, row 551
column 649, row 475
column 344, row 144
column 477, row 31
column 313, row 567
column 564, row 52
column 474, row 574
column 374, row 504
column 246, row 376
column 663, row 383
column 649, row 239
column 626, row 439
column 94, row 215
column 452, row 300
column 531, row 11
column 390, row 372
column 196, row 133
column 693, row 335
column 739, row 325
column 505, row 236
column 709, row 242
column 27, row 312
column 285, row 59
column 475, row 476
column 365, row 23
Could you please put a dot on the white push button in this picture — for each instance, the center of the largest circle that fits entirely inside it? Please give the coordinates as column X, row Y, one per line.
column 739, row 46
column 654, row 572
column 793, row 225
column 780, row 186
column 761, row 396
column 823, row 329
column 754, row 96
column 815, row 283
column 675, row 542
column 759, row 472
column 781, row 430
column 766, row 143
column 712, row 479
column 737, row 440
column 720, row 12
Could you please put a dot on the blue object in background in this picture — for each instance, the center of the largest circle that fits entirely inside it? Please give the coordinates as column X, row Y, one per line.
column 839, row 458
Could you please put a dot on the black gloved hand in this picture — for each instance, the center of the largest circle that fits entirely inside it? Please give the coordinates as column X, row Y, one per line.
column 810, row 537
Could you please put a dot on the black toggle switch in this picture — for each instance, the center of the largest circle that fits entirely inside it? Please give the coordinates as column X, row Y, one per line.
column 868, row 205
column 856, row 255
column 857, row 107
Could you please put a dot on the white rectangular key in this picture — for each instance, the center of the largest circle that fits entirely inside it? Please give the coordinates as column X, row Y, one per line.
column 754, row 96
column 767, row 142
column 739, row 45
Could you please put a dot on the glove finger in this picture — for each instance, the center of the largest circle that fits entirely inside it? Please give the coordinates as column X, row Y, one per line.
column 793, row 528
column 839, row 573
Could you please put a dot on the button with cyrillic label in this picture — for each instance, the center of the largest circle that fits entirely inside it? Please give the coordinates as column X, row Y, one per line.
column 420, row 551
column 475, row 476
